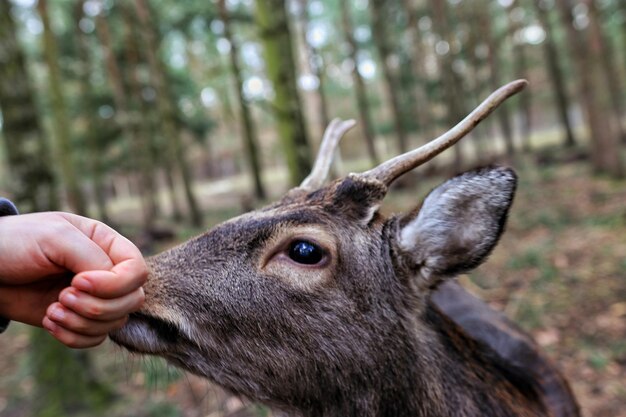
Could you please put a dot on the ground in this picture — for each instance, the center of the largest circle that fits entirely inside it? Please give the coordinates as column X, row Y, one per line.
column 559, row 271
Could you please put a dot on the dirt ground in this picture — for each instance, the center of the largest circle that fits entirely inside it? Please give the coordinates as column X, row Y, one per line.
column 559, row 271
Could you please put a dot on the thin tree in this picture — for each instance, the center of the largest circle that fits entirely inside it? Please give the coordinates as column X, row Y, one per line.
column 60, row 122
column 493, row 59
column 450, row 82
column 420, row 106
column 367, row 126
column 83, row 66
column 599, row 41
column 551, row 54
column 32, row 183
column 247, row 123
column 275, row 34
column 128, row 117
column 596, row 102
column 380, row 16
column 315, row 65
column 520, row 68
column 477, row 83
column 165, row 107
column 138, row 125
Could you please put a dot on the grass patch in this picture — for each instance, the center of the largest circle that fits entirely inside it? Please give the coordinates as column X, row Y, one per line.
column 529, row 315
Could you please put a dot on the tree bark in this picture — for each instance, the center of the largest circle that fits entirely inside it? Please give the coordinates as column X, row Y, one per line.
column 60, row 121
column 551, row 54
column 379, row 14
column 166, row 108
column 359, row 86
column 604, row 132
column 31, row 182
column 248, row 128
column 271, row 19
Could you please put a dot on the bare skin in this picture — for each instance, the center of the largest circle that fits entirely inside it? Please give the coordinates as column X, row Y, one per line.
column 74, row 276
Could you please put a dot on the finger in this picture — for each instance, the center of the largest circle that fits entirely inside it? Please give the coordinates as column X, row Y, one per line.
column 116, row 246
column 69, row 247
column 108, row 285
column 69, row 338
column 101, row 309
column 75, row 323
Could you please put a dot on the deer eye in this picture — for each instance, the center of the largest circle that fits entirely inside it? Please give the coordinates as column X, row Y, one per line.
column 305, row 252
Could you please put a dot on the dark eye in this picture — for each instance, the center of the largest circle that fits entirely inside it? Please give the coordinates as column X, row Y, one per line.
column 306, row 253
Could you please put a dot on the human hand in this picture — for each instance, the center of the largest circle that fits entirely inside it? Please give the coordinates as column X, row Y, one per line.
column 75, row 276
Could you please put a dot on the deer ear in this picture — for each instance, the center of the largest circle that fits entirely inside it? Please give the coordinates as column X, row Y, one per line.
column 458, row 224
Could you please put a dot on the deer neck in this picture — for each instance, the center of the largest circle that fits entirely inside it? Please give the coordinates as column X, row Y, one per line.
column 467, row 378
column 442, row 373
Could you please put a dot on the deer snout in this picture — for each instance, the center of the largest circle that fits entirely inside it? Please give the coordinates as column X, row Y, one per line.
column 159, row 324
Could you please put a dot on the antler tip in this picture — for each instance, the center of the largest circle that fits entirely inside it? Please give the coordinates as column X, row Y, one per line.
column 517, row 85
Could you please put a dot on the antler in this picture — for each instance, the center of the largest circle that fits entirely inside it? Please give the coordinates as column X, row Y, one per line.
column 333, row 134
column 388, row 171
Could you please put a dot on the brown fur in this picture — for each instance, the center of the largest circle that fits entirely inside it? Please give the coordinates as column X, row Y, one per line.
column 356, row 335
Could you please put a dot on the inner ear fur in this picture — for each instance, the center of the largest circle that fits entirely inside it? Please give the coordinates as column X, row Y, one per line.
column 357, row 198
column 457, row 225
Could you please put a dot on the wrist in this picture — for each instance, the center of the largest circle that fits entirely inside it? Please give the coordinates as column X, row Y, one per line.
column 7, row 208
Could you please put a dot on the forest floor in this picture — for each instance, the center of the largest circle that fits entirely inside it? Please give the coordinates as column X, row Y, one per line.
column 559, row 271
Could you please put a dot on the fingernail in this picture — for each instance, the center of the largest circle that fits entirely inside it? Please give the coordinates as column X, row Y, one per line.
column 82, row 284
column 49, row 325
column 57, row 314
column 69, row 299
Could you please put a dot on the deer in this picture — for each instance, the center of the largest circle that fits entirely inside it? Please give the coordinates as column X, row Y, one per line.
column 320, row 306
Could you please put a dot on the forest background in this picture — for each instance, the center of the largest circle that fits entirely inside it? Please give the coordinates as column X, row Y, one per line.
column 164, row 117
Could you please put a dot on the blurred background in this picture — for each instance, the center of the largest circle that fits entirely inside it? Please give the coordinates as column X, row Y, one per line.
column 164, row 117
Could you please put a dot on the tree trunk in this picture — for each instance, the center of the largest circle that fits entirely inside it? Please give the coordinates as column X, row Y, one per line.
column 451, row 83
column 551, row 54
column 88, row 112
column 32, row 183
column 420, row 107
column 271, row 19
column 477, row 86
column 604, row 132
column 611, row 79
column 315, row 64
column 137, row 123
column 247, row 124
column 165, row 107
column 60, row 121
column 494, row 67
column 520, row 65
column 361, row 94
column 381, row 40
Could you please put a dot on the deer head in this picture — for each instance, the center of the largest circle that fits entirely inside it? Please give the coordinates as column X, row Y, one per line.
column 319, row 297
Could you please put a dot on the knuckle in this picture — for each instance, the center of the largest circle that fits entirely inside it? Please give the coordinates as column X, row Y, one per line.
column 95, row 311
column 82, row 327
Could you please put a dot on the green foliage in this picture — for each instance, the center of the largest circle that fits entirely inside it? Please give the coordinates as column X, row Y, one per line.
column 162, row 409
column 65, row 380
column 158, row 374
